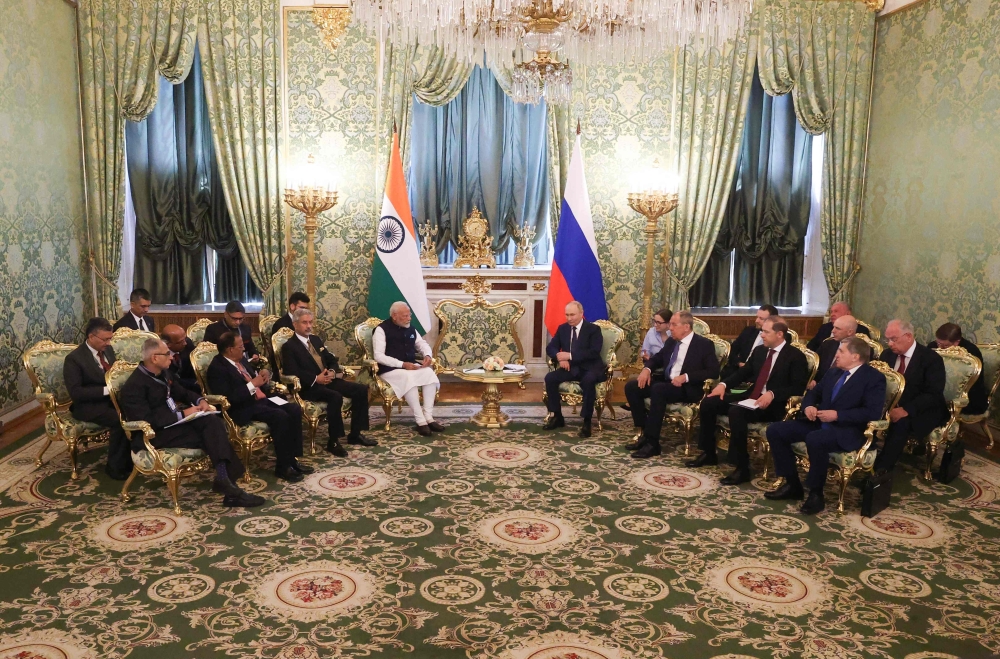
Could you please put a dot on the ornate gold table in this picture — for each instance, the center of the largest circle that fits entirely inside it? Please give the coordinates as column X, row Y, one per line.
column 491, row 416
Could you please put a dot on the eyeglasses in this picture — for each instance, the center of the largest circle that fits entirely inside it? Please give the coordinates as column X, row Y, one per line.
column 161, row 354
column 660, row 322
column 236, row 319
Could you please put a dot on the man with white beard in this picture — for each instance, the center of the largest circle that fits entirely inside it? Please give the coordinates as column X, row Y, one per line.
column 396, row 345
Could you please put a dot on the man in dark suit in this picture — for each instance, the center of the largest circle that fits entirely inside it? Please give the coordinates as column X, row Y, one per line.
column 151, row 395
column 748, row 339
column 922, row 407
column 232, row 376
column 83, row 373
column 297, row 300
column 836, row 412
column 775, row 372
column 687, row 361
column 137, row 317
column 181, row 348
column 322, row 379
column 837, row 309
column 843, row 327
column 232, row 321
column 949, row 335
column 577, row 347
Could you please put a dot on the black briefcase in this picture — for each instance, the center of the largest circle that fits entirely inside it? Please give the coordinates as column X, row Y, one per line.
column 951, row 462
column 876, row 494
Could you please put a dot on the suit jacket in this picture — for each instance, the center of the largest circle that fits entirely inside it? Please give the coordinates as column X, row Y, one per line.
column 978, row 396
column 743, row 345
column 215, row 331
column 859, row 401
column 128, row 320
column 185, row 373
column 296, row 360
column 144, row 398
column 700, row 363
column 284, row 321
column 85, row 382
column 586, row 350
column 824, row 333
column 827, row 352
column 789, row 373
column 224, row 379
column 923, row 396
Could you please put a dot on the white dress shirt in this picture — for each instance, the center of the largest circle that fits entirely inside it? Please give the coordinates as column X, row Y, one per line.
column 682, row 351
column 140, row 323
column 97, row 359
column 777, row 351
column 909, row 356
column 250, row 386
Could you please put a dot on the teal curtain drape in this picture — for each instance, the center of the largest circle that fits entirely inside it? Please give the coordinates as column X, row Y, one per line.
column 480, row 150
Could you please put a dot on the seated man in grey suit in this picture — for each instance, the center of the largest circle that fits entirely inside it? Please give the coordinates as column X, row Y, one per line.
column 151, row 395
column 83, row 372
column 137, row 317
column 687, row 361
column 836, row 412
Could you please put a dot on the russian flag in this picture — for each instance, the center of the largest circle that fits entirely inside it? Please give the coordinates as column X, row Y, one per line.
column 576, row 272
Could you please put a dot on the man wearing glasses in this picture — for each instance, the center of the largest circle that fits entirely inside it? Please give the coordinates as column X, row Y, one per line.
column 152, row 395
column 232, row 321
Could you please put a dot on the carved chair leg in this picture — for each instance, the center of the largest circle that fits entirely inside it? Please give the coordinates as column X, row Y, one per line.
column 313, row 429
column 48, row 443
column 126, row 497
column 985, row 424
column 71, row 449
column 247, row 456
column 387, row 408
column 611, row 408
column 600, row 407
column 173, row 485
column 688, row 434
column 845, row 478
column 931, row 453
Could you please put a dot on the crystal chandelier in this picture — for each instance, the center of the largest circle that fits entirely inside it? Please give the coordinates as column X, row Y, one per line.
column 532, row 32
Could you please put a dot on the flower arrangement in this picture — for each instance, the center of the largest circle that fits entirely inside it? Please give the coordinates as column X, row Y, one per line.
column 493, row 364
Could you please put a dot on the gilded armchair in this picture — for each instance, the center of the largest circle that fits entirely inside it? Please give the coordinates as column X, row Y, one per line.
column 246, row 439
column 845, row 464
column 266, row 334
column 44, row 364
column 196, row 330
column 472, row 331
column 127, row 343
column 876, row 335
column 991, row 376
column 757, row 432
column 173, row 464
column 700, row 327
column 961, row 370
column 570, row 393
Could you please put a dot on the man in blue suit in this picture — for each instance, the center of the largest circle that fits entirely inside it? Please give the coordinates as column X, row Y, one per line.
column 837, row 411
column 576, row 346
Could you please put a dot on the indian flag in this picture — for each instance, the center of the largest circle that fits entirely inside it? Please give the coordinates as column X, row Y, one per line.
column 396, row 271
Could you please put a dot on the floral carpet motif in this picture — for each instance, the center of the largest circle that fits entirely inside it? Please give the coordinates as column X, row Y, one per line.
column 484, row 544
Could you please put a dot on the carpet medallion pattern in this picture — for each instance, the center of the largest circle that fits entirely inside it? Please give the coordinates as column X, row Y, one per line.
column 510, row 544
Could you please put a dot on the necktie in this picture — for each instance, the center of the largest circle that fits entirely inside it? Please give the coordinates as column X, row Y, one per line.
column 315, row 355
column 104, row 362
column 673, row 358
column 142, row 325
column 765, row 371
column 246, row 376
column 901, row 367
column 840, row 383
column 572, row 339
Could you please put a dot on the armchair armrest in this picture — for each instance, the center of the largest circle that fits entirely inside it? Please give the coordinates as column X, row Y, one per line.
column 291, row 381
column 350, row 373
column 280, row 389
column 792, row 407
column 48, row 401
column 876, row 426
column 147, row 433
column 219, row 401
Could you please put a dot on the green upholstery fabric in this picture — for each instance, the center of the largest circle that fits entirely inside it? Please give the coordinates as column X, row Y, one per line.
column 202, row 360
column 254, row 430
column 48, row 368
column 472, row 335
column 845, row 460
column 574, row 388
column 957, row 376
column 991, row 371
column 314, row 408
column 172, row 457
column 130, row 348
column 72, row 428
column 701, row 327
column 612, row 338
column 752, row 428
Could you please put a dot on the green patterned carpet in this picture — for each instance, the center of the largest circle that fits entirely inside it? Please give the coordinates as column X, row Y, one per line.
column 508, row 543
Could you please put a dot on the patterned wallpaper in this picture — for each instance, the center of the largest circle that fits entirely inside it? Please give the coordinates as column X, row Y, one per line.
column 930, row 236
column 332, row 112
column 41, row 186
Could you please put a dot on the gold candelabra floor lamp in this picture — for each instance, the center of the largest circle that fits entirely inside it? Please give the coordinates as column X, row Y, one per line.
column 310, row 196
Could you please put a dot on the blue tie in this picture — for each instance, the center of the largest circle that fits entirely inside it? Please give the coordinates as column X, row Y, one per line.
column 673, row 358
column 840, row 383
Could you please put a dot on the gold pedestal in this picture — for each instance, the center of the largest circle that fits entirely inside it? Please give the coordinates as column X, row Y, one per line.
column 491, row 416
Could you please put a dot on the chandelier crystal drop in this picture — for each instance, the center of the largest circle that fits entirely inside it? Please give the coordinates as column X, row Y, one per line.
column 537, row 39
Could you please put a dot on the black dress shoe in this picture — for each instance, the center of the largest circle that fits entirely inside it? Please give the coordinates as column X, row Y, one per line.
column 289, row 473
column 337, row 449
column 436, row 427
column 626, row 407
column 361, row 440
column 737, row 477
column 554, row 422
column 786, row 491
column 243, row 500
column 585, row 430
column 226, row 487
column 303, row 468
column 633, row 446
column 647, row 450
column 702, row 460
column 814, row 503
column 424, row 431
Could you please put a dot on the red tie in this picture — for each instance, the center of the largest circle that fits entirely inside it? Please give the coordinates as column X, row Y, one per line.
column 901, row 367
column 758, row 388
column 258, row 393
column 104, row 362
